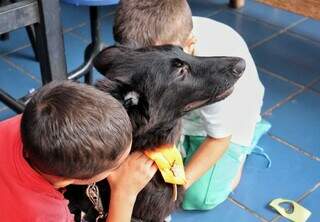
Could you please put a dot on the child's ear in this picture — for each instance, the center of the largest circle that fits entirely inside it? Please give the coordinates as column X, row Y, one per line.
column 189, row 46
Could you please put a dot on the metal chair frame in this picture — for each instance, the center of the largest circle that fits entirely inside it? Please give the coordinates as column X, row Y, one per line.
column 44, row 15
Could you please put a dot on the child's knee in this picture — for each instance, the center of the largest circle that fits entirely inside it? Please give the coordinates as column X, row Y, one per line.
column 204, row 201
column 207, row 192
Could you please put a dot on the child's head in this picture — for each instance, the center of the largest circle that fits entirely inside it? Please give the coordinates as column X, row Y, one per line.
column 152, row 22
column 73, row 130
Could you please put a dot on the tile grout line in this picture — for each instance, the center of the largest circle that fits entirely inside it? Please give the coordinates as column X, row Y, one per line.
column 289, row 33
column 3, row 108
column 281, row 31
column 109, row 14
column 301, row 37
column 269, row 111
column 303, row 196
column 264, row 22
column 309, row 87
column 80, row 25
column 19, row 68
column 260, row 21
column 80, row 37
column 294, row 147
column 216, row 12
column 16, row 49
column 308, row 192
column 280, row 77
column 240, row 205
column 31, row 75
column 85, row 24
column 65, row 31
column 316, row 91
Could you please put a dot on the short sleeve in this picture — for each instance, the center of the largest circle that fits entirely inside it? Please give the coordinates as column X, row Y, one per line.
column 238, row 114
column 215, row 119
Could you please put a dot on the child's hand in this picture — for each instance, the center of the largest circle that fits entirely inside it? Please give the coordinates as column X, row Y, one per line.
column 132, row 175
column 126, row 182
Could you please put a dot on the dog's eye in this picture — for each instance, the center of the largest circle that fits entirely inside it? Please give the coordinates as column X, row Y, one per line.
column 178, row 63
column 181, row 69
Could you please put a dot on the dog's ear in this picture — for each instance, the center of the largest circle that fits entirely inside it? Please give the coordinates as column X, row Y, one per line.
column 114, row 87
column 111, row 62
column 135, row 102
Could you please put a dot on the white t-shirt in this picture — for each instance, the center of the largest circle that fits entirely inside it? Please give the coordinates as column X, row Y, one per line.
column 238, row 114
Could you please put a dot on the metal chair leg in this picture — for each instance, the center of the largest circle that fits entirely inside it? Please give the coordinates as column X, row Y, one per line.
column 4, row 37
column 32, row 39
column 12, row 103
column 95, row 48
column 92, row 49
column 88, row 77
column 49, row 38
column 29, row 29
column 237, row 3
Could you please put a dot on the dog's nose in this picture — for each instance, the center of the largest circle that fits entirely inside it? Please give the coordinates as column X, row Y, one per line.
column 238, row 68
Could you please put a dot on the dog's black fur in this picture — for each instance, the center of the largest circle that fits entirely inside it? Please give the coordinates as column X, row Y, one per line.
column 158, row 85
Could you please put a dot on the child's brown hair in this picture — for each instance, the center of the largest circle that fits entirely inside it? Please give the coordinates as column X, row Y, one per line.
column 146, row 22
column 73, row 130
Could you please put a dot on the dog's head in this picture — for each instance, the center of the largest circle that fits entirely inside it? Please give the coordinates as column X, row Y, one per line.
column 158, row 85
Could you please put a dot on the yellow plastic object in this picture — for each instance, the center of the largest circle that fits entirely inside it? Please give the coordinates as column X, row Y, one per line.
column 169, row 162
column 297, row 214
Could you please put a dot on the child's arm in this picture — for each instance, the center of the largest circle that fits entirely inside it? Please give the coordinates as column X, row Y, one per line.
column 126, row 182
column 120, row 208
column 209, row 152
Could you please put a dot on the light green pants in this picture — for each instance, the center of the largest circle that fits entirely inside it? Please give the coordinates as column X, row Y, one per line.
column 215, row 185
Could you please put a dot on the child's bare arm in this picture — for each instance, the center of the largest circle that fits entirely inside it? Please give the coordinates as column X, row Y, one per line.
column 209, row 152
column 120, row 208
column 126, row 182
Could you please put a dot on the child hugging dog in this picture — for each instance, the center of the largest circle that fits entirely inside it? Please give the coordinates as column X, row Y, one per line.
column 69, row 133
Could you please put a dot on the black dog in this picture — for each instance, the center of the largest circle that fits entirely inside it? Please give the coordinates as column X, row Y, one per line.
column 157, row 86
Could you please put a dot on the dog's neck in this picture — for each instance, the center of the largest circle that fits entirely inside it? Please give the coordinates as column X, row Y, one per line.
column 160, row 134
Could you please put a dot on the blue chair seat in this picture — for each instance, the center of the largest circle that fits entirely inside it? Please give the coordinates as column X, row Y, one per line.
column 92, row 2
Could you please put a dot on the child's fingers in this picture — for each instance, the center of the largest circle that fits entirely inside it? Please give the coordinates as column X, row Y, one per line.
column 145, row 165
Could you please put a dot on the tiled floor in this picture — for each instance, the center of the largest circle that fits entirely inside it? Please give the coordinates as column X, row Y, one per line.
column 286, row 48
